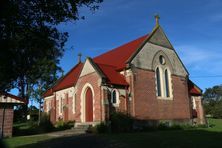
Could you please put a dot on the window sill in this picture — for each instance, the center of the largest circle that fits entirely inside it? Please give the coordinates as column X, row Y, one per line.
column 115, row 105
column 164, row 98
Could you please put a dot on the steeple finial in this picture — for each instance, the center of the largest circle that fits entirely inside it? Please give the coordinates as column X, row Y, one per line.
column 157, row 17
column 79, row 59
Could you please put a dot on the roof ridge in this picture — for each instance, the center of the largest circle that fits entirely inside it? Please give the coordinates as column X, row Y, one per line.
column 60, row 79
column 126, row 43
column 105, row 64
column 63, row 77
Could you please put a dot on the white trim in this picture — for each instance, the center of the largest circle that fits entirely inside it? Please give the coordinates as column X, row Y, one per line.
column 163, row 96
column 60, row 106
column 161, row 83
column 194, row 103
column 117, row 98
column 170, row 83
column 83, row 101
column 74, row 103
column 49, row 97
column 48, row 107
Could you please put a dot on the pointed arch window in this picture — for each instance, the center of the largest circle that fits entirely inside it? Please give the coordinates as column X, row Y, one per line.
column 115, row 97
column 167, row 90
column 158, row 82
column 163, row 79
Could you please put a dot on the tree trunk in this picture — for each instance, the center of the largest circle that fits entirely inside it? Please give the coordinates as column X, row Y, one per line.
column 39, row 119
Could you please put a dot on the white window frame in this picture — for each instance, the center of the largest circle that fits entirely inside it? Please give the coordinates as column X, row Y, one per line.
column 117, row 97
column 60, row 105
column 74, row 103
column 163, row 83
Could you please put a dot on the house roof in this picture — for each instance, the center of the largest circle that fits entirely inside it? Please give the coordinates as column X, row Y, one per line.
column 122, row 53
column 66, row 81
column 9, row 98
column 70, row 78
column 113, row 77
column 107, row 66
column 194, row 90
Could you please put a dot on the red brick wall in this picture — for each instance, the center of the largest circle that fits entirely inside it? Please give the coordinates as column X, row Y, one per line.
column 92, row 79
column 122, row 104
column 147, row 106
column 8, row 120
column 200, row 111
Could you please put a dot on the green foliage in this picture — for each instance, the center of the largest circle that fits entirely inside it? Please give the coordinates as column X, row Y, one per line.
column 92, row 129
column 31, row 128
column 31, row 43
column 103, row 128
column 213, row 101
column 121, row 122
column 62, row 125
column 45, row 125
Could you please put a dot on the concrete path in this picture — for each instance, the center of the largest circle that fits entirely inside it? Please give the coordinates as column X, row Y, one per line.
column 74, row 139
column 66, row 133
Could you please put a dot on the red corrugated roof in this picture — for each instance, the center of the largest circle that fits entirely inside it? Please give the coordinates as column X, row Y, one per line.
column 49, row 92
column 113, row 77
column 118, row 56
column 68, row 80
column 108, row 62
column 193, row 89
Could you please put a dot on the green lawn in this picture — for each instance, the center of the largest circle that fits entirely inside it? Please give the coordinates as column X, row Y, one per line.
column 189, row 138
column 24, row 140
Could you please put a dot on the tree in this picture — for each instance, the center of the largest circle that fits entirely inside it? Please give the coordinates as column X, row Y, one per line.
column 42, row 84
column 29, row 38
column 213, row 101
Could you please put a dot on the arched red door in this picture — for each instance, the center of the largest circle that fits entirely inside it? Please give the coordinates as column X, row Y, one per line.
column 89, row 105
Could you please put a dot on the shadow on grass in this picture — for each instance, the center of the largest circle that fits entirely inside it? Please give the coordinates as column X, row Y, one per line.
column 2, row 145
column 157, row 139
column 80, row 141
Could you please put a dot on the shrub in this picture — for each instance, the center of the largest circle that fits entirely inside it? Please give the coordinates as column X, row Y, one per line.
column 121, row 122
column 92, row 129
column 103, row 127
column 62, row 125
column 45, row 124
column 163, row 126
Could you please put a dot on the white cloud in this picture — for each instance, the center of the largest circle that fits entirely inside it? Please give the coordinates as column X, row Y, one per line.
column 200, row 61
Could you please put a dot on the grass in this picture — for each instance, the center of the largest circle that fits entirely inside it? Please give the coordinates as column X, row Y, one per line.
column 24, row 140
column 196, row 137
column 215, row 125
column 192, row 138
column 32, row 128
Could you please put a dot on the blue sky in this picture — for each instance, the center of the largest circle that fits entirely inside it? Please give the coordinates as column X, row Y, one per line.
column 193, row 27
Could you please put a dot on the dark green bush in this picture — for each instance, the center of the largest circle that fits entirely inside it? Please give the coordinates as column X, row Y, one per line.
column 62, row 125
column 92, row 129
column 163, row 126
column 121, row 122
column 45, row 124
column 103, row 127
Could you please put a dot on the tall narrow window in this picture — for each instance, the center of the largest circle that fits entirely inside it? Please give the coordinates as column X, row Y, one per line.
column 74, row 103
column 158, row 83
column 61, row 106
column 114, row 97
column 167, row 83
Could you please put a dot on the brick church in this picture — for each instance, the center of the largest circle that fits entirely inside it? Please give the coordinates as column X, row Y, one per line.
column 144, row 78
